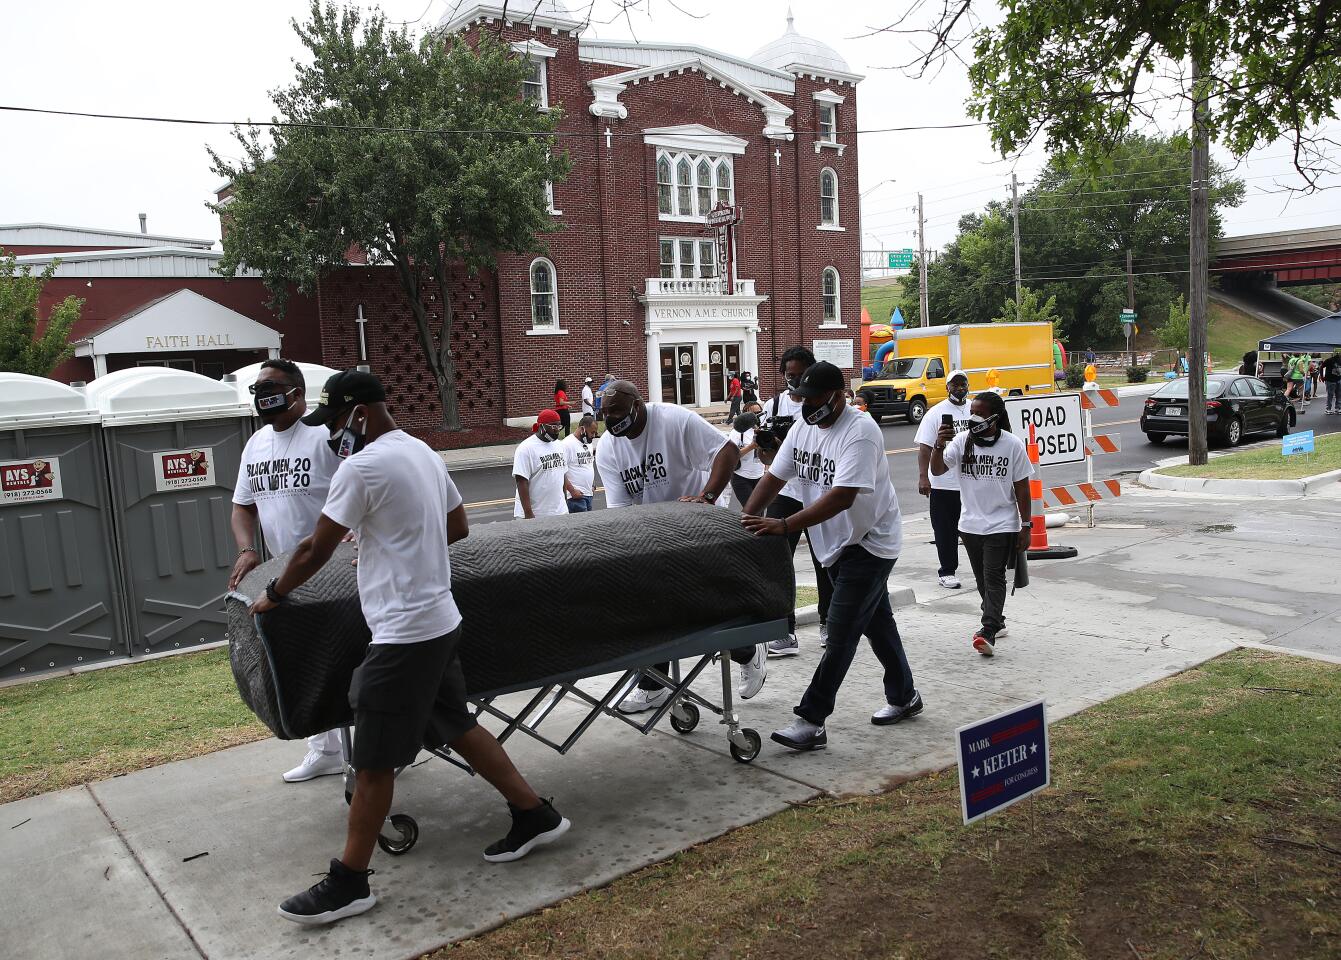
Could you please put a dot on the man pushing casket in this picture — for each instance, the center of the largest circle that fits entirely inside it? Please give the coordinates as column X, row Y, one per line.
column 409, row 689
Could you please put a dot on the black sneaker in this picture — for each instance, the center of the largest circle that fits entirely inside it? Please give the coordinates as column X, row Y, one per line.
column 530, row 829
column 984, row 645
column 893, row 712
column 341, row 893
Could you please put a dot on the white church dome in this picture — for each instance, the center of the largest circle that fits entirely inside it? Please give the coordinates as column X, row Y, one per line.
column 794, row 49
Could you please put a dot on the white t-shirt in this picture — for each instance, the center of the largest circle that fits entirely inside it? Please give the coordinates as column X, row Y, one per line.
column 751, row 467
column 396, row 493
column 787, row 407
column 931, row 425
column 581, row 459
column 286, row 475
column 542, row 463
column 851, row 453
column 670, row 459
column 588, row 399
column 987, row 484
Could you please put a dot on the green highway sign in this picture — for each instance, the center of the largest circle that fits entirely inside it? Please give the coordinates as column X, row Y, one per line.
column 900, row 259
column 1127, row 316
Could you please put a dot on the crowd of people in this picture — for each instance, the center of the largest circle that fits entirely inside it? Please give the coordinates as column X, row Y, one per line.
column 1305, row 376
column 807, row 461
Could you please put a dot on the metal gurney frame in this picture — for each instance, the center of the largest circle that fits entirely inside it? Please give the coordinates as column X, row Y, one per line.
column 401, row 831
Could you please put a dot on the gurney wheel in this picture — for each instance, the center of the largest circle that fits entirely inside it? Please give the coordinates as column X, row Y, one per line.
column 690, row 720
column 408, row 829
column 754, row 744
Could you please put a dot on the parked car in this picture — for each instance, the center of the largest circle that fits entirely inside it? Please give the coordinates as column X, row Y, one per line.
column 1235, row 407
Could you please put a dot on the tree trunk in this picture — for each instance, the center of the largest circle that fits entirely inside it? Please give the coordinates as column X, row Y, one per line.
column 1198, row 256
column 446, row 368
column 443, row 376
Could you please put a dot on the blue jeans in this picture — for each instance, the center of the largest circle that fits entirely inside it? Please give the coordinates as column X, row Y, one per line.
column 580, row 505
column 860, row 604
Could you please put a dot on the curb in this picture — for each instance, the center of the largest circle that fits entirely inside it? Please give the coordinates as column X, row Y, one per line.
column 898, row 597
column 1239, row 488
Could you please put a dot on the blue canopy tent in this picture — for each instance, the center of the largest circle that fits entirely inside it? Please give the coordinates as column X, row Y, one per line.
column 1320, row 336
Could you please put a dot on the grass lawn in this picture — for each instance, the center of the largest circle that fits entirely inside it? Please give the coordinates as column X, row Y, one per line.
column 1199, row 817
column 806, row 596
column 1231, row 333
column 1267, row 463
column 69, row 730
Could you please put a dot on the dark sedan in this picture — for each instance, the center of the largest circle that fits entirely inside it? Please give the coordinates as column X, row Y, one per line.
column 1235, row 407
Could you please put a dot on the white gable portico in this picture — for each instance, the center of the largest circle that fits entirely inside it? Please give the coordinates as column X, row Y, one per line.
column 697, row 337
column 181, row 322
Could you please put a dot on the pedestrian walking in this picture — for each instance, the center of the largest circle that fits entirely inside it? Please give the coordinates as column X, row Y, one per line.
column 749, row 388
column 1298, row 367
column 780, row 413
column 751, row 467
column 942, row 492
column 1331, row 381
column 588, row 399
column 540, row 472
column 1314, row 371
column 409, row 690
column 579, row 452
column 851, row 515
column 563, row 407
column 660, row 452
column 733, row 393
column 993, row 468
column 282, row 480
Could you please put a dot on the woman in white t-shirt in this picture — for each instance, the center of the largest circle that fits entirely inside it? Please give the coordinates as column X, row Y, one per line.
column 751, row 467
column 993, row 468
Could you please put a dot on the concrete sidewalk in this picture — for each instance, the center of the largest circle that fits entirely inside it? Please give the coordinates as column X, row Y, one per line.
column 191, row 858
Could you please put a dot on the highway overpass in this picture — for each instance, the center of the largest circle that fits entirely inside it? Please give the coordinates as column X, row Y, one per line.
column 1280, row 258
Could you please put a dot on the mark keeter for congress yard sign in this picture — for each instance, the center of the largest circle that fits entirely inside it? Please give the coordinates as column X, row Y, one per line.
column 1058, row 426
column 1002, row 759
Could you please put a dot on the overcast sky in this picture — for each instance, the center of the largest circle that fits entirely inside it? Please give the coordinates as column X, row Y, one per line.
column 178, row 58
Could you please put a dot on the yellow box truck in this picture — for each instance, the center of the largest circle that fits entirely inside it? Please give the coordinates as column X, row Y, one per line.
column 1015, row 358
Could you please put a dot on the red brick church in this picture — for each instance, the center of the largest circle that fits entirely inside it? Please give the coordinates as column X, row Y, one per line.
column 634, row 283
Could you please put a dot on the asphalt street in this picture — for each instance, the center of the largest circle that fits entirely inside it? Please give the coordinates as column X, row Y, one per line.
column 488, row 491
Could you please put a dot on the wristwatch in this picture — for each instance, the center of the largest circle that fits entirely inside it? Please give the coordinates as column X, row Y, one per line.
column 271, row 594
column 710, row 497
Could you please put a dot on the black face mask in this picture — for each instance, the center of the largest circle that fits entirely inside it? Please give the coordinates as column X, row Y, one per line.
column 815, row 414
column 270, row 406
column 622, row 426
column 958, row 395
column 347, row 442
column 546, row 435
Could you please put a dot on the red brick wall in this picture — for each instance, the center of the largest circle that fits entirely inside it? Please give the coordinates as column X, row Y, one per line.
column 607, row 248
column 109, row 299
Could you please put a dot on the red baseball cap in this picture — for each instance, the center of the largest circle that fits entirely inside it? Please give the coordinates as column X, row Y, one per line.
column 546, row 416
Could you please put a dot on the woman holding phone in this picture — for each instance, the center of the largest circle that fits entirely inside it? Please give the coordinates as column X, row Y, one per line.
column 993, row 469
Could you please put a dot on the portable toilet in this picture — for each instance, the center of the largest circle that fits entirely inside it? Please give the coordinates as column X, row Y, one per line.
column 174, row 441
column 62, row 605
column 314, row 377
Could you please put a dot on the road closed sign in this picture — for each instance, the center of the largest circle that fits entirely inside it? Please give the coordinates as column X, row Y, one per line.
column 1058, row 426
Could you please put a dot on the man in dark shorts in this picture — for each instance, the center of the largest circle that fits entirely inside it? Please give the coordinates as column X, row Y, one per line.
column 409, row 691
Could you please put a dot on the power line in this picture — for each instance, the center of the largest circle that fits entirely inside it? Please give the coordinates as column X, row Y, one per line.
column 372, row 128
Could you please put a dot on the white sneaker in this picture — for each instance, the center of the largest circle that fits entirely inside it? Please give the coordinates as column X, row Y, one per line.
column 787, row 646
column 801, row 735
column 754, row 673
column 640, row 701
column 315, row 764
column 950, row 582
column 824, row 634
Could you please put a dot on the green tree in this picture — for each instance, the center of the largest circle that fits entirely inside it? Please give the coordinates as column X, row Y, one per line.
column 1076, row 223
column 22, row 350
column 421, row 153
column 1082, row 74
column 1173, row 332
column 1030, row 309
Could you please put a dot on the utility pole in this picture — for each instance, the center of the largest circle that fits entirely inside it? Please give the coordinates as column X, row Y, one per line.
column 1015, row 218
column 925, row 308
column 1131, row 305
column 1198, row 255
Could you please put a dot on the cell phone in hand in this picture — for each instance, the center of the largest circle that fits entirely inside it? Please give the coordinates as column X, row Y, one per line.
column 947, row 420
